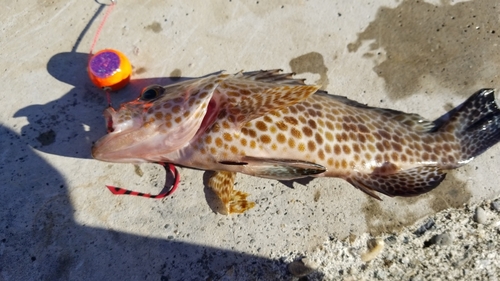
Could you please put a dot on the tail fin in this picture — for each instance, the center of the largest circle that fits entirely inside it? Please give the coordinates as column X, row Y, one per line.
column 476, row 123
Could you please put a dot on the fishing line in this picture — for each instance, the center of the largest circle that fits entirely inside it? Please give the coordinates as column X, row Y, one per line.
column 101, row 25
column 110, row 70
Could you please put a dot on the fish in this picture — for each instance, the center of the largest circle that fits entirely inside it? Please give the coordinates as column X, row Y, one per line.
column 271, row 125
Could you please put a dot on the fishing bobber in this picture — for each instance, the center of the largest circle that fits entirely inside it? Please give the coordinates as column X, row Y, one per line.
column 109, row 69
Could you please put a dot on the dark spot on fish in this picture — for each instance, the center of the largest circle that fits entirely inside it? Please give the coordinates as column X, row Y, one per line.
column 47, row 138
column 418, row 39
column 155, row 27
column 138, row 170
column 313, row 63
column 307, row 131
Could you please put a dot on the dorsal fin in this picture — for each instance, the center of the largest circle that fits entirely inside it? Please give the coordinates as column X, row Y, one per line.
column 412, row 120
column 410, row 182
column 255, row 95
column 271, row 76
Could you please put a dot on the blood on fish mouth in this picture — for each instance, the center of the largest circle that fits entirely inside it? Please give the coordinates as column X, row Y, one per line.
column 109, row 119
column 110, row 125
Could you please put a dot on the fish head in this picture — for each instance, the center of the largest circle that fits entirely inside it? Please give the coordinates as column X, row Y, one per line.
column 161, row 121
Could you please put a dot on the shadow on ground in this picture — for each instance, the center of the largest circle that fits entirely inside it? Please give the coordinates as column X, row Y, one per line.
column 69, row 125
column 41, row 241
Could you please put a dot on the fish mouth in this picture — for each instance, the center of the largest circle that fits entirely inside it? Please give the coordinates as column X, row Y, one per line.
column 130, row 139
column 118, row 138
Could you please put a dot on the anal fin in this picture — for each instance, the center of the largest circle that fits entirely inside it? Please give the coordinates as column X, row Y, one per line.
column 280, row 169
column 410, row 182
column 234, row 201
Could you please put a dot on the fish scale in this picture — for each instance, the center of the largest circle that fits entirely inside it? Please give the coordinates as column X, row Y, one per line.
column 327, row 136
column 270, row 125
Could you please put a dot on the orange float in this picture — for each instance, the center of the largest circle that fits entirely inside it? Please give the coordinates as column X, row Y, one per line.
column 109, row 69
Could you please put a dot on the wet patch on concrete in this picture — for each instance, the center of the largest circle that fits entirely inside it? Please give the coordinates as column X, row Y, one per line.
column 454, row 45
column 317, row 195
column 140, row 70
column 452, row 193
column 176, row 74
column 455, row 195
column 155, row 27
column 378, row 220
column 313, row 63
column 47, row 138
column 138, row 171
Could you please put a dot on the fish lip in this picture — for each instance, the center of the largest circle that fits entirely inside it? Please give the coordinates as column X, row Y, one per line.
column 118, row 139
column 108, row 114
column 101, row 150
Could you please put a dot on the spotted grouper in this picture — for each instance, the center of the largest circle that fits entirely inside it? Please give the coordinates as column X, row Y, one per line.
column 270, row 125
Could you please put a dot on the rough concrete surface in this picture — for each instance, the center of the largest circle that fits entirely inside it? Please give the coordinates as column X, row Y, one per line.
column 59, row 222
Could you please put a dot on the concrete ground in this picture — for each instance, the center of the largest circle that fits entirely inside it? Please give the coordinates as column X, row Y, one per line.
column 59, row 222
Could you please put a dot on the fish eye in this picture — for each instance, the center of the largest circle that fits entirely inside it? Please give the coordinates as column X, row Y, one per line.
column 150, row 93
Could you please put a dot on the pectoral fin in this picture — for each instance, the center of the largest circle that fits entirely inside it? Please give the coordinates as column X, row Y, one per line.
column 234, row 201
column 271, row 76
column 280, row 169
column 410, row 182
